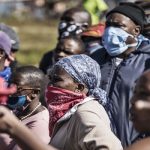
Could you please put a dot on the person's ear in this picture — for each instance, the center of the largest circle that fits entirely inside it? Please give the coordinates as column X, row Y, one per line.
column 81, row 88
column 34, row 94
column 136, row 31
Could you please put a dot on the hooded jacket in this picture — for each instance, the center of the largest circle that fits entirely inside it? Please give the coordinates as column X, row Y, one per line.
column 119, row 82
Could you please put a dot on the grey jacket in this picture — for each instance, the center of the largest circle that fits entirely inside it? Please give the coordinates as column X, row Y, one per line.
column 87, row 129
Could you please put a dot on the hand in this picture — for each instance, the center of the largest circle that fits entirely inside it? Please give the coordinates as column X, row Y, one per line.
column 7, row 120
column 5, row 91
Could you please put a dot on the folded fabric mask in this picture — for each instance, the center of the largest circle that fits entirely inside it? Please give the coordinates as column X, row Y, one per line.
column 114, row 41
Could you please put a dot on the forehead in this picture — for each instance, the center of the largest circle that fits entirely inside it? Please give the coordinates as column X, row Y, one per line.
column 68, row 42
column 59, row 71
column 77, row 17
column 117, row 17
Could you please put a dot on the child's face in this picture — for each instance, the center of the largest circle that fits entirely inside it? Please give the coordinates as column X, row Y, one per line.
column 140, row 116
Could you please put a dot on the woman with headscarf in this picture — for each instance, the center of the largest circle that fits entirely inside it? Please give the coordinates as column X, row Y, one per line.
column 75, row 101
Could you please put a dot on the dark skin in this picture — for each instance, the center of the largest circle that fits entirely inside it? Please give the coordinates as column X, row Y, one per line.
column 2, row 59
column 61, row 79
column 140, row 108
column 125, row 23
column 66, row 47
column 77, row 16
column 23, row 136
column 143, row 144
column 31, row 93
column 140, row 111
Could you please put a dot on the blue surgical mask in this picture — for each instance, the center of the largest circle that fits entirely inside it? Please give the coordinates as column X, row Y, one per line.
column 114, row 41
column 6, row 73
column 15, row 102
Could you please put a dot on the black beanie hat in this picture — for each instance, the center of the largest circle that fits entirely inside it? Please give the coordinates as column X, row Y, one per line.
column 131, row 10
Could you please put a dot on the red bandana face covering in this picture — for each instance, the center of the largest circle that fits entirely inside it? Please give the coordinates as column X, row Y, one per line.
column 59, row 101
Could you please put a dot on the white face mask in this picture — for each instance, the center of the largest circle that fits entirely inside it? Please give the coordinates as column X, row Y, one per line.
column 114, row 41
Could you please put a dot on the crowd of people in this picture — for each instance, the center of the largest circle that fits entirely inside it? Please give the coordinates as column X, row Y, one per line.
column 91, row 92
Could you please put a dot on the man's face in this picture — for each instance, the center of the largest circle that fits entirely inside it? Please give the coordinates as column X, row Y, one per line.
column 125, row 23
column 121, row 21
column 141, row 116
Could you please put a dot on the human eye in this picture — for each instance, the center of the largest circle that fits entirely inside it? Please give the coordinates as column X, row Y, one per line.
column 68, row 52
column 55, row 79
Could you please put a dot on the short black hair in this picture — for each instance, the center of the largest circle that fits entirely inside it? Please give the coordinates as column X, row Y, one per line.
column 84, row 17
column 30, row 76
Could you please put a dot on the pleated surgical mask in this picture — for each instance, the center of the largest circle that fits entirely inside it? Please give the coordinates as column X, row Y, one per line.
column 114, row 41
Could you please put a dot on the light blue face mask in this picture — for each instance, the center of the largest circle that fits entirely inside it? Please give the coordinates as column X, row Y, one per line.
column 114, row 41
column 15, row 102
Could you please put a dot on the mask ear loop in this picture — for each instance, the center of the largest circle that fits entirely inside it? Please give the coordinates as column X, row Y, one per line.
column 132, row 45
column 29, row 100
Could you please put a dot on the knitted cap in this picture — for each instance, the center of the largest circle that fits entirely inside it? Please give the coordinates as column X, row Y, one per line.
column 131, row 10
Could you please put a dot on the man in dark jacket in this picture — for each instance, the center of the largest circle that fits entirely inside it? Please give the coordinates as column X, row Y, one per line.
column 125, row 57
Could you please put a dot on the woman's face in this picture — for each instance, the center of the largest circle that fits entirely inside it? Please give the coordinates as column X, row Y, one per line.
column 141, row 116
column 61, row 79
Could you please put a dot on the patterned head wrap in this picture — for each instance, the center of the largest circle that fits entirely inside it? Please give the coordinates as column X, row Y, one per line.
column 70, row 29
column 85, row 70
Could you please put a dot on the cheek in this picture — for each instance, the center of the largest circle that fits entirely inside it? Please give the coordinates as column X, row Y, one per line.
column 142, row 125
column 65, row 85
column 141, row 120
column 70, row 86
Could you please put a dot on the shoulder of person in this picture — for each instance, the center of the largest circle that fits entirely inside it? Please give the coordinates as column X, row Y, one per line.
column 99, row 55
column 91, row 110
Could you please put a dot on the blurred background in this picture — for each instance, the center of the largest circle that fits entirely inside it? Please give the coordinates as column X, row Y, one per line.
column 36, row 23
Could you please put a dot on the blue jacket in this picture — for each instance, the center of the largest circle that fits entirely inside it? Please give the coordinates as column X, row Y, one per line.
column 119, row 82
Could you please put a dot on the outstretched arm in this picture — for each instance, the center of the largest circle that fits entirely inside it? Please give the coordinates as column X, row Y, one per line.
column 24, row 138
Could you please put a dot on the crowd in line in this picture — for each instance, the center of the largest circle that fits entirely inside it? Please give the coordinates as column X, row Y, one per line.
column 92, row 91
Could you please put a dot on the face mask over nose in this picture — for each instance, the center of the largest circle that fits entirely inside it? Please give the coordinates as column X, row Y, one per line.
column 15, row 102
column 114, row 41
